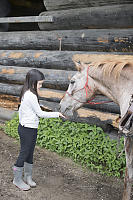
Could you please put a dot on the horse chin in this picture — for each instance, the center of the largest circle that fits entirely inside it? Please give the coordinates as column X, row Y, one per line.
column 70, row 114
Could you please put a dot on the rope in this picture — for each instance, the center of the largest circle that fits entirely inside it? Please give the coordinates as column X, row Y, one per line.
column 86, row 86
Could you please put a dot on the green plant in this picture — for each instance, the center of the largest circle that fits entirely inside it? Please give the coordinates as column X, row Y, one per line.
column 87, row 145
column 11, row 127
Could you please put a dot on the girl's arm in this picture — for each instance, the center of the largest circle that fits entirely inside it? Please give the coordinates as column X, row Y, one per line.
column 36, row 107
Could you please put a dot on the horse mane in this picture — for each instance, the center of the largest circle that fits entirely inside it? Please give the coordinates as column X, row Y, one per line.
column 110, row 64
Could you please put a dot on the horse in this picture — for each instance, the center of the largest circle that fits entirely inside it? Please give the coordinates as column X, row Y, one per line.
column 112, row 76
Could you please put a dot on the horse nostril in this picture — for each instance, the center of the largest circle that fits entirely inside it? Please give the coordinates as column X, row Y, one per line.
column 68, row 108
column 59, row 107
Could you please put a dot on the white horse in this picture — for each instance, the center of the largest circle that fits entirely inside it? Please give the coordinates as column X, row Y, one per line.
column 111, row 75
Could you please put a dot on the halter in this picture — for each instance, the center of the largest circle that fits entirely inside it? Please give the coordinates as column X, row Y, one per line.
column 87, row 89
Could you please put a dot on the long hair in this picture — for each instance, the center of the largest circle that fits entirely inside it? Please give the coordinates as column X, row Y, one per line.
column 32, row 77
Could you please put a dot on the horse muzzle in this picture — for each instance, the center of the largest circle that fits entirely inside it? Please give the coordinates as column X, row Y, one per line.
column 67, row 111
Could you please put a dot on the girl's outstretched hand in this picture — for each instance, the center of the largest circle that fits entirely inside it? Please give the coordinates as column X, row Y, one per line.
column 61, row 115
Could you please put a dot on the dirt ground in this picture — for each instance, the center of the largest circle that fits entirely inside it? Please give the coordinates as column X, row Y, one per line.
column 57, row 178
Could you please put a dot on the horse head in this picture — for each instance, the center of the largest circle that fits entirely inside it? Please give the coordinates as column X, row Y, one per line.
column 109, row 75
column 80, row 90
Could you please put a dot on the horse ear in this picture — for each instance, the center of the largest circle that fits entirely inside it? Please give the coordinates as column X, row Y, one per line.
column 84, row 65
column 79, row 66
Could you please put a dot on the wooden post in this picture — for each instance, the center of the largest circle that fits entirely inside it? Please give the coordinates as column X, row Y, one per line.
column 128, row 180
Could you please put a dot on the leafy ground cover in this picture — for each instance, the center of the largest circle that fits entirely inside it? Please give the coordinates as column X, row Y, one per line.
column 85, row 144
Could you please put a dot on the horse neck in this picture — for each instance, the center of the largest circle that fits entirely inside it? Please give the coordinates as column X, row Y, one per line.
column 114, row 89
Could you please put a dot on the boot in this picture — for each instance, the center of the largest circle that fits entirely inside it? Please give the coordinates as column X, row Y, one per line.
column 28, row 174
column 18, row 171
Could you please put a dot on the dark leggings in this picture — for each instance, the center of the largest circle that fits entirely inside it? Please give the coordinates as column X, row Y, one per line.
column 28, row 137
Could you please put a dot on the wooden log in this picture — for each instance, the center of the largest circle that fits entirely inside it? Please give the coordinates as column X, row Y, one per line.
column 118, row 16
column 38, row 59
column 108, row 40
column 6, row 114
column 61, row 60
column 56, row 95
column 56, row 79
column 105, row 107
column 10, row 89
column 65, row 4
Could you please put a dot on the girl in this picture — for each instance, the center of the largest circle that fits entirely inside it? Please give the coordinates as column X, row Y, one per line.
column 29, row 113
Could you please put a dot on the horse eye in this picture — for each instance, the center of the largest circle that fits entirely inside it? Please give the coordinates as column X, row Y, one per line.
column 72, row 81
column 79, row 62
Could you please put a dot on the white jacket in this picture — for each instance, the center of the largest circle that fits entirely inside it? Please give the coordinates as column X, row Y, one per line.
column 30, row 111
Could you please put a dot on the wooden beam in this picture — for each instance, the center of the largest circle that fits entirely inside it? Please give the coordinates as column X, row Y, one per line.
column 26, row 19
column 117, row 16
column 6, row 114
column 38, row 59
column 61, row 60
column 56, row 79
column 65, row 4
column 108, row 40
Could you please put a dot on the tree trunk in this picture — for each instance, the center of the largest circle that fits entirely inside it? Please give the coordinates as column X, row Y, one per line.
column 61, row 60
column 56, row 79
column 6, row 114
column 38, row 59
column 118, row 16
column 65, row 4
column 128, row 180
column 72, row 40
column 10, row 89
